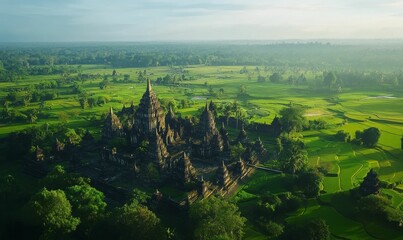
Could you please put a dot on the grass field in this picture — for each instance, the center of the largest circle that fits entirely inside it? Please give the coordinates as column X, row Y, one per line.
column 347, row 163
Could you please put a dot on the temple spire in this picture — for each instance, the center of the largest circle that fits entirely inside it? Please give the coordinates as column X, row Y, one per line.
column 148, row 85
column 111, row 111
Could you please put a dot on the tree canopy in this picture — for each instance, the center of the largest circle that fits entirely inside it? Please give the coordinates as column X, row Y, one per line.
column 309, row 181
column 292, row 118
column 87, row 202
column 370, row 136
column 215, row 218
column 293, row 157
column 135, row 221
column 371, row 184
column 52, row 211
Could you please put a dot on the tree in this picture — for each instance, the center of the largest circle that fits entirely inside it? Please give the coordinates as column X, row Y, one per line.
column 330, row 79
column 87, row 202
column 221, row 91
column 261, row 78
column 278, row 147
column 135, row 221
column 237, row 151
column 293, row 157
column 379, row 206
column 291, row 80
column 275, row 78
column 83, row 100
column 301, row 79
column 370, row 136
column 343, row 136
column 273, row 229
column 52, row 211
column 139, row 197
column 72, row 136
column 215, row 218
column 370, row 185
column 309, row 181
column 317, row 230
column 243, row 70
column 292, row 118
column 59, row 179
column 242, row 90
column 104, row 84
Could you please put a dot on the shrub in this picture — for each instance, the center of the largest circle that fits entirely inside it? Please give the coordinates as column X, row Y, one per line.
column 343, row 136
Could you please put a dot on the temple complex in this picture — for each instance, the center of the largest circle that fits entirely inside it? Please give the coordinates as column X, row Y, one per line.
column 194, row 157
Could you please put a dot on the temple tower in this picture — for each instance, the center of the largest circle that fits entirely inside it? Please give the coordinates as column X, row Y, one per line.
column 223, row 177
column 112, row 126
column 186, row 171
column 149, row 115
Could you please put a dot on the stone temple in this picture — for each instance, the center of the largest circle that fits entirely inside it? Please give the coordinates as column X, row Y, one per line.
column 193, row 157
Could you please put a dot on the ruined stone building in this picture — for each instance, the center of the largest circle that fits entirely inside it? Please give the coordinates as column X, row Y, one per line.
column 175, row 144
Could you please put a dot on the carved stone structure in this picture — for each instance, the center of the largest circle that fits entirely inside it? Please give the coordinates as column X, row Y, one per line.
column 185, row 170
column 174, row 143
column 259, row 148
column 157, row 151
column 149, row 116
column 208, row 143
column 223, row 177
column 112, row 126
column 243, row 137
column 39, row 155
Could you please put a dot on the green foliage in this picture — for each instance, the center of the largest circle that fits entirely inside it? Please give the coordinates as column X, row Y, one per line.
column 378, row 206
column 215, row 218
column 317, row 124
column 293, row 157
column 343, row 136
column 317, row 230
column 104, row 84
column 152, row 172
column 134, row 221
column 139, row 197
column 237, row 151
column 309, row 182
column 87, row 202
column 52, row 211
column 269, row 204
column 273, row 229
column 329, row 79
column 292, row 118
column 8, row 187
column 261, row 79
column 59, row 179
column 370, row 185
column 370, row 136
column 72, row 136
column 275, row 77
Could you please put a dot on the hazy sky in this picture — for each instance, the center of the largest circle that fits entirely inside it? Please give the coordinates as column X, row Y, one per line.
column 167, row 20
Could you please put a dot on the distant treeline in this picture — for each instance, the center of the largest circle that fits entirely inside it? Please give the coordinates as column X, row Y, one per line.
column 40, row 59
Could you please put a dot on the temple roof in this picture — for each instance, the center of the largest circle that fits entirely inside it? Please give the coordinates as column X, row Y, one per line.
column 112, row 121
column 242, row 136
column 157, row 150
column 149, row 115
column 207, row 121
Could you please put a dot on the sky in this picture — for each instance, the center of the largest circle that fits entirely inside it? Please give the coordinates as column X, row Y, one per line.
column 198, row 20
